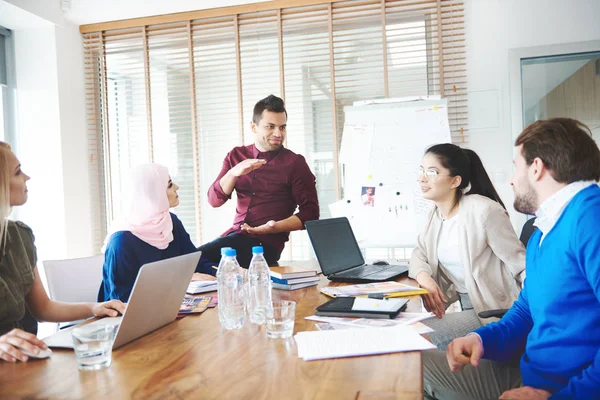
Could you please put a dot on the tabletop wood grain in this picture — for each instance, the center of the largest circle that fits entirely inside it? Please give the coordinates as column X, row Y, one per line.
column 194, row 358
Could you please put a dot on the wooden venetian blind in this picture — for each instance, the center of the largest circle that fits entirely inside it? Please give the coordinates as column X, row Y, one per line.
column 180, row 89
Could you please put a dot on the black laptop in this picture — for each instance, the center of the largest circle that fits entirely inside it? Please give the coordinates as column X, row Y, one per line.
column 340, row 257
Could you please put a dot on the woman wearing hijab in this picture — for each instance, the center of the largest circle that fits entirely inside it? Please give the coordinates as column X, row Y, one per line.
column 148, row 232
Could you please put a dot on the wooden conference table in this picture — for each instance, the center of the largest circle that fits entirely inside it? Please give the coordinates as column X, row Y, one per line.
column 194, row 358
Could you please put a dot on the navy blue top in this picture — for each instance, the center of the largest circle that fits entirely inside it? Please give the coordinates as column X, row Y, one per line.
column 125, row 254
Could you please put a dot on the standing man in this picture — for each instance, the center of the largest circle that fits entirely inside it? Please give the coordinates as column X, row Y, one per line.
column 554, row 326
column 271, row 182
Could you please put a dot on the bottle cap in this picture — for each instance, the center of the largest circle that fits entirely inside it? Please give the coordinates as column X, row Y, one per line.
column 230, row 252
column 258, row 250
column 223, row 249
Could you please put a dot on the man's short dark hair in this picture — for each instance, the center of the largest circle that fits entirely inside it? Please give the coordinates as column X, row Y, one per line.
column 565, row 146
column 270, row 103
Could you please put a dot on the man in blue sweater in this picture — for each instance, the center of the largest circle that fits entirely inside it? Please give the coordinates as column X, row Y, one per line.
column 554, row 326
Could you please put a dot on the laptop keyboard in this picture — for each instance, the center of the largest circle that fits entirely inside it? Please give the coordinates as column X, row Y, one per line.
column 366, row 271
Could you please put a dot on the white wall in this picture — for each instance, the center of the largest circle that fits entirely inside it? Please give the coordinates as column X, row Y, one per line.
column 75, row 173
column 493, row 27
column 51, row 140
column 48, row 10
column 92, row 11
column 38, row 143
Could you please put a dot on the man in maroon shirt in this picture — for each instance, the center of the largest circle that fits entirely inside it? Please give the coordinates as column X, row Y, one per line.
column 271, row 182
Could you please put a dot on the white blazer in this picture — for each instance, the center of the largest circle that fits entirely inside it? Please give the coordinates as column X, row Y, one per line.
column 491, row 253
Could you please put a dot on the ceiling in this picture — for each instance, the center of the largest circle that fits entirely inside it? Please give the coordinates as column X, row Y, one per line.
column 84, row 12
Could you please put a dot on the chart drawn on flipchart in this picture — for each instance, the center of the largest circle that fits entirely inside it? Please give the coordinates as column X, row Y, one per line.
column 382, row 147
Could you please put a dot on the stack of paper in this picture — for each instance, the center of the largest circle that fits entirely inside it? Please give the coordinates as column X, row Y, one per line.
column 319, row 345
column 196, row 287
column 386, row 289
column 419, row 327
column 407, row 319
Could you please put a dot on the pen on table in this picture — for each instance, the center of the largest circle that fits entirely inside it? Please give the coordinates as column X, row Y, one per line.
column 415, row 292
column 215, row 267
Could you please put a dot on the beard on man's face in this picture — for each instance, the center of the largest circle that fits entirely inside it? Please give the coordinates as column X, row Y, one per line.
column 527, row 201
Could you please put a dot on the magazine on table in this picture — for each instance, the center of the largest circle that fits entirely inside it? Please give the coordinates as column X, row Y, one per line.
column 194, row 304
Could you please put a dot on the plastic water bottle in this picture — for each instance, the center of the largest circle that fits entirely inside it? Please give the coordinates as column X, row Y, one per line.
column 259, row 288
column 222, row 261
column 230, row 286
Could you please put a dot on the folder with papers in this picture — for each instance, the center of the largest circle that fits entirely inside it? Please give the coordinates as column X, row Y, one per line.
column 385, row 289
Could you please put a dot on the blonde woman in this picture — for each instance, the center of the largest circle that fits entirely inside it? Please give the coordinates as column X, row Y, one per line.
column 20, row 283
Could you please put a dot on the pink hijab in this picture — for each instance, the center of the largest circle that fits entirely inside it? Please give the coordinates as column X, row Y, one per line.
column 146, row 213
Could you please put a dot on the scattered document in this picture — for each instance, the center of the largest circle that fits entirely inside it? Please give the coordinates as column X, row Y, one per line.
column 357, row 140
column 422, row 206
column 419, row 327
column 196, row 287
column 407, row 319
column 319, row 345
column 390, row 289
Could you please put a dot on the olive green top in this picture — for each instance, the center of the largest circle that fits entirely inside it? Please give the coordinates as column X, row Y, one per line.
column 17, row 262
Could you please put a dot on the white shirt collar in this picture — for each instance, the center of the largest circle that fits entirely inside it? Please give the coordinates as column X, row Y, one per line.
column 551, row 209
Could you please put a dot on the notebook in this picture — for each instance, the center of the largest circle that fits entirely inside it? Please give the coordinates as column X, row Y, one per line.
column 340, row 257
column 291, row 272
column 356, row 307
column 284, row 286
column 154, row 302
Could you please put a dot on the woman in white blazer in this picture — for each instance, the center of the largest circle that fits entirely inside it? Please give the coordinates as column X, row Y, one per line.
column 468, row 250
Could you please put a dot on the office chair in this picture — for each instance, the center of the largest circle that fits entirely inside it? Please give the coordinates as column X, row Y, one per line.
column 75, row 280
column 526, row 233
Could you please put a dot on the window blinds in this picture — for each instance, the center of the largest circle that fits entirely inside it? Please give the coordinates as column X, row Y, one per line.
column 179, row 90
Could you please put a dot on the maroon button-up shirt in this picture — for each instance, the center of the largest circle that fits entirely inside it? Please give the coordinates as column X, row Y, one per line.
column 271, row 192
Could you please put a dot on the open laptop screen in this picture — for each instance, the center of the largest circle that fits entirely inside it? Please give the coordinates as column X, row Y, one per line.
column 334, row 244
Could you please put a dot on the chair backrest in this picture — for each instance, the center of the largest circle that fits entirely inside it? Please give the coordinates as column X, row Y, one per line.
column 527, row 230
column 74, row 280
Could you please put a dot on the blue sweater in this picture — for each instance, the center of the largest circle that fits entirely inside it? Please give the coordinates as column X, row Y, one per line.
column 555, row 323
column 125, row 254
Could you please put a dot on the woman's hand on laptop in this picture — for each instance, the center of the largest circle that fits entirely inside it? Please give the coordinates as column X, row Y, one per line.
column 108, row 309
column 13, row 343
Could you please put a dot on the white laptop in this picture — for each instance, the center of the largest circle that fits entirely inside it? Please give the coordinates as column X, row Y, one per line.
column 154, row 302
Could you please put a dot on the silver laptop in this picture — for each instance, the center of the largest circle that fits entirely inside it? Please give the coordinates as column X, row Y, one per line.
column 154, row 302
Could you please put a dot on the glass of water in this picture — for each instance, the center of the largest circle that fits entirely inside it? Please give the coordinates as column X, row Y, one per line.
column 93, row 346
column 281, row 324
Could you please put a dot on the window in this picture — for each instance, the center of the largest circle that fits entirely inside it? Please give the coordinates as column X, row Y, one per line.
column 562, row 86
column 181, row 93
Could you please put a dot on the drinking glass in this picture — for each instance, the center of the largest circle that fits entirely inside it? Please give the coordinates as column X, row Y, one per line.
column 93, row 346
column 281, row 324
